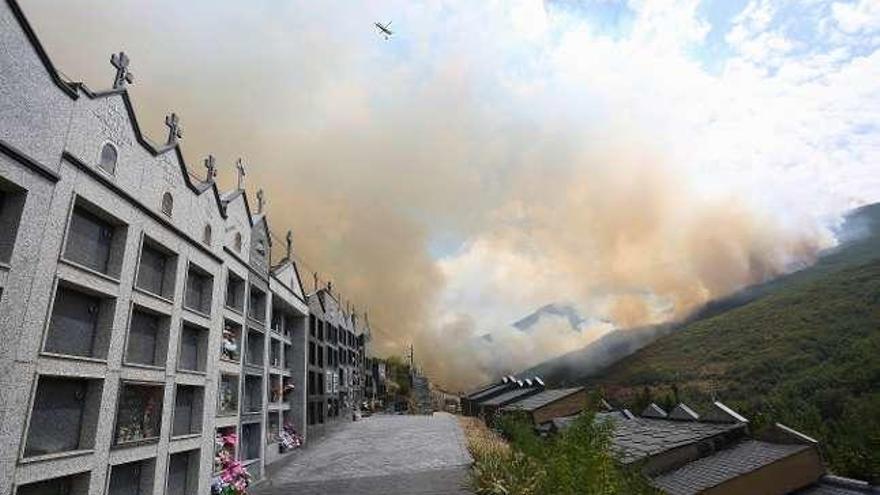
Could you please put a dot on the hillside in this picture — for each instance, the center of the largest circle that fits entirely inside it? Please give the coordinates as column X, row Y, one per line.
column 803, row 350
column 860, row 235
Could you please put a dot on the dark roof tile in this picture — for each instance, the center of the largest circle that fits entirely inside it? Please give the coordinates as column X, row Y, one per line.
column 837, row 485
column 509, row 396
column 491, row 391
column 635, row 439
column 724, row 465
column 542, row 399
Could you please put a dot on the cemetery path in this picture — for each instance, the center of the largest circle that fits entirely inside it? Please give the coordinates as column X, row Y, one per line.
column 383, row 454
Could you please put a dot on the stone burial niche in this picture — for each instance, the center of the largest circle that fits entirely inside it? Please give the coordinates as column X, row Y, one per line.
column 132, row 478
column 139, row 413
column 64, row 415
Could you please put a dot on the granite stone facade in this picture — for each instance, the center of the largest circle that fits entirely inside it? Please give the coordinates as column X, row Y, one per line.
column 142, row 309
column 336, row 350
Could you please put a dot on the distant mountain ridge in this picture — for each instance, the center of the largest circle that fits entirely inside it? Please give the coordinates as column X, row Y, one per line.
column 575, row 320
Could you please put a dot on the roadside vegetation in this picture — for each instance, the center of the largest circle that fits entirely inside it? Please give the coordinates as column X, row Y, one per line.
column 576, row 461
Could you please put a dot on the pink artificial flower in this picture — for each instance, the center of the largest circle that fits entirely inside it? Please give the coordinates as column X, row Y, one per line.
column 230, row 439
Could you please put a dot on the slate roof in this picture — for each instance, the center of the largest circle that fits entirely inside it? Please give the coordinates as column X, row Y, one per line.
column 638, row 438
column 481, row 389
column 491, row 390
column 825, row 489
column 540, row 400
column 510, row 396
column 836, row 485
column 724, row 465
column 316, row 308
column 564, row 422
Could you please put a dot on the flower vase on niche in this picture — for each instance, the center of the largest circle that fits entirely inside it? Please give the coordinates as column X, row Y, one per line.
column 289, row 439
column 230, row 344
column 233, row 478
column 138, row 416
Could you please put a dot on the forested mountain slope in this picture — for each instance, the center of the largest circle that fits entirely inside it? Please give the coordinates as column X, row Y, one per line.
column 803, row 350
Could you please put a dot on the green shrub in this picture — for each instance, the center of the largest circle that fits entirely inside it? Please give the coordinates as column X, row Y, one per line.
column 575, row 461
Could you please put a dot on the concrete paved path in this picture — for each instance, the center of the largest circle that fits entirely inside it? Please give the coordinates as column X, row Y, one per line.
column 412, row 455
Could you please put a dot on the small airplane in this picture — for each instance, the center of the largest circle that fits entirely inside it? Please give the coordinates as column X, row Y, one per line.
column 384, row 30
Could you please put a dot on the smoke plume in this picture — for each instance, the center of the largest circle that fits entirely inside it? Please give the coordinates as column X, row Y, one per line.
column 494, row 157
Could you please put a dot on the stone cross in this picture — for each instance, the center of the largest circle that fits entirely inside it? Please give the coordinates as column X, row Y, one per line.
column 289, row 239
column 239, row 167
column 211, row 165
column 261, row 201
column 175, row 130
column 123, row 75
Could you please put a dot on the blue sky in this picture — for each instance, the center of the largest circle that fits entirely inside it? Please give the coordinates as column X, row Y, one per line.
column 805, row 23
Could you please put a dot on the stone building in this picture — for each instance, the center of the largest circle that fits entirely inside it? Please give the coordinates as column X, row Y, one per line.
column 490, row 408
column 471, row 403
column 140, row 308
column 335, row 361
column 547, row 404
column 363, row 369
column 374, row 382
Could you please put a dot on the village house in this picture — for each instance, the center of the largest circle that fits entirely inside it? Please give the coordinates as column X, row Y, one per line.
column 681, row 452
column 143, row 308
column 470, row 402
column 684, row 453
column 548, row 404
column 374, row 382
column 491, row 408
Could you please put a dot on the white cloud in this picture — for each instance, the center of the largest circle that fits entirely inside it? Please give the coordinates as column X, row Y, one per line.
column 859, row 16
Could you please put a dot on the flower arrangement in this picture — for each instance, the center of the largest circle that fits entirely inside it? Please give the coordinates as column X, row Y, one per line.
column 139, row 416
column 289, row 438
column 233, row 478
